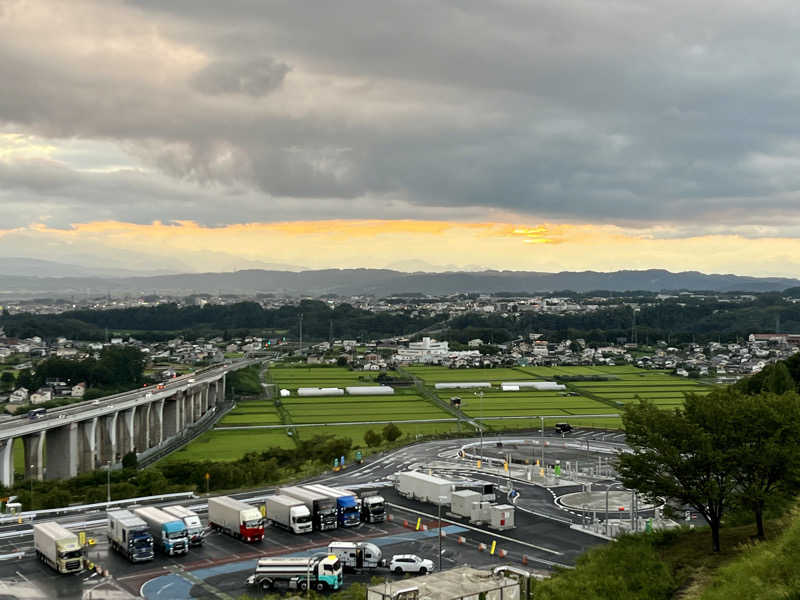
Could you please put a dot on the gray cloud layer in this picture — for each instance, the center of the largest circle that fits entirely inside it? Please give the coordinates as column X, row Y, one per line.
column 626, row 112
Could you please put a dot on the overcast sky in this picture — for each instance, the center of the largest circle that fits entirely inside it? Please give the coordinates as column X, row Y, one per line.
column 665, row 131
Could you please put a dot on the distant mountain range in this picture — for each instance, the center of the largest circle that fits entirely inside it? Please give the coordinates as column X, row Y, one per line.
column 39, row 280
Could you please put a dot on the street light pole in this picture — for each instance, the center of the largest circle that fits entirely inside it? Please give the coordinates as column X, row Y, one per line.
column 108, row 484
column 440, row 533
column 541, row 438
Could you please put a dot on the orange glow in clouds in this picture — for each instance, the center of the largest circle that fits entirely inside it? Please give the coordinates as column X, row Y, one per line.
column 431, row 245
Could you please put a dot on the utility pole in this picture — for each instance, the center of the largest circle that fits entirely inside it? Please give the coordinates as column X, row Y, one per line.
column 440, row 533
column 300, row 350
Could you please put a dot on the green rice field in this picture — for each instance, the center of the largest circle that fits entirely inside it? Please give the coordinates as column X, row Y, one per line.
column 231, row 445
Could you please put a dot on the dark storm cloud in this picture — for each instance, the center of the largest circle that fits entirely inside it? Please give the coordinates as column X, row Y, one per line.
column 625, row 112
column 251, row 77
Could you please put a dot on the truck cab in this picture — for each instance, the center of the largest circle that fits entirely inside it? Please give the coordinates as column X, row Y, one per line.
column 175, row 537
column 373, row 509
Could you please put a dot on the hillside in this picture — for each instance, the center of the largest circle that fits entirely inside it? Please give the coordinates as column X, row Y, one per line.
column 380, row 282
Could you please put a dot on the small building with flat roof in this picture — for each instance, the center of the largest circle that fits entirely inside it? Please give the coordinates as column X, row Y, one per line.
column 460, row 583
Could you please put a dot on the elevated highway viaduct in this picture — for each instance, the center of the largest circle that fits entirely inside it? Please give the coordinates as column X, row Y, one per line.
column 87, row 435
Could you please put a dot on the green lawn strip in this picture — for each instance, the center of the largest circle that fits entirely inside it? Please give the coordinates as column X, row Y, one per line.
column 230, row 445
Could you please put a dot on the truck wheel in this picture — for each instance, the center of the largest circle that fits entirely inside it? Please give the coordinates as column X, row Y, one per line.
column 320, row 586
column 303, row 586
column 266, row 585
column 423, row 571
column 398, row 571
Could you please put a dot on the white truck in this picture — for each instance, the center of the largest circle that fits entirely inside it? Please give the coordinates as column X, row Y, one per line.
column 58, row 547
column 193, row 524
column 236, row 518
column 169, row 533
column 373, row 506
column 320, row 572
column 424, row 487
column 289, row 513
column 357, row 555
column 130, row 536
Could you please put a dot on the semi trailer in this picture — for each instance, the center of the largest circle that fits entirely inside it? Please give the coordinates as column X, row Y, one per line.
column 169, row 534
column 193, row 524
column 289, row 513
column 320, row 572
column 424, row 487
column 348, row 513
column 58, row 547
column 236, row 518
column 322, row 508
column 130, row 536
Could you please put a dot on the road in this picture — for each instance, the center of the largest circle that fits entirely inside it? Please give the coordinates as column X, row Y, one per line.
column 219, row 568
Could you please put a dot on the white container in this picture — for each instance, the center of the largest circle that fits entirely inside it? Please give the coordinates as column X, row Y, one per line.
column 315, row 391
column 289, row 513
column 501, row 517
column 461, row 502
column 369, row 390
column 424, row 487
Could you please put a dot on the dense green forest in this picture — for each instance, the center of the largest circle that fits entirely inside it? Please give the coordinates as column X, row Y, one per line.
column 243, row 318
column 678, row 321
column 675, row 320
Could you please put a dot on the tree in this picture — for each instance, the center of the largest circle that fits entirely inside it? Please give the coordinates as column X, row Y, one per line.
column 685, row 454
column 25, row 379
column 130, row 461
column 391, row 432
column 778, row 379
column 7, row 380
column 372, row 438
column 768, row 427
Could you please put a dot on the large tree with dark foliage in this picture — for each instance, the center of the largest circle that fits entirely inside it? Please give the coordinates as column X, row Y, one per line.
column 684, row 454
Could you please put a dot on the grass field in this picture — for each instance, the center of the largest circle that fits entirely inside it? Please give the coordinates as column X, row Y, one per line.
column 293, row 378
column 230, row 445
column 253, row 412
column 625, row 384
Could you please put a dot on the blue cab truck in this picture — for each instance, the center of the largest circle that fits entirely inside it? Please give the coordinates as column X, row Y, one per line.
column 170, row 534
column 129, row 535
column 348, row 509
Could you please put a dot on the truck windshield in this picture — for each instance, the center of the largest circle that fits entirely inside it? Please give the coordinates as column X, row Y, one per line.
column 177, row 535
column 252, row 523
column 303, row 519
column 72, row 554
column 376, row 507
column 142, row 542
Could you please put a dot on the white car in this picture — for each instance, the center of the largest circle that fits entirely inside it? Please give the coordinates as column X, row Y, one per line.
column 410, row 563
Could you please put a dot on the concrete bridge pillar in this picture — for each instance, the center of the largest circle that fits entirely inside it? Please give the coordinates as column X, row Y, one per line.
column 221, row 391
column 172, row 414
column 87, row 445
column 188, row 403
column 125, row 430
column 62, row 452
column 212, row 393
column 107, row 434
column 7, row 462
column 204, row 399
column 142, row 427
column 34, row 458
column 156, row 422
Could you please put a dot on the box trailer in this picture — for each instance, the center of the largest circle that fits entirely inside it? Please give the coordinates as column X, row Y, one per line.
column 289, row 513
column 424, row 487
column 130, row 536
column 236, row 518
column 320, row 573
column 169, row 534
column 322, row 508
column 194, row 526
column 348, row 512
column 58, row 547
column 357, row 555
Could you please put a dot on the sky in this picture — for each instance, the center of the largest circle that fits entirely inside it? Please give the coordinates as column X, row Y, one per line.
column 198, row 135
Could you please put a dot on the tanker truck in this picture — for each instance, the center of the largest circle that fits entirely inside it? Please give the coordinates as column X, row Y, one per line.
column 320, row 572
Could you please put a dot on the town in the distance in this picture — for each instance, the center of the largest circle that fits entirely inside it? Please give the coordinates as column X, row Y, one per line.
column 407, row 446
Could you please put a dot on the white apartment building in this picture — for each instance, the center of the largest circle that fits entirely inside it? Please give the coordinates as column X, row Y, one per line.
column 426, row 352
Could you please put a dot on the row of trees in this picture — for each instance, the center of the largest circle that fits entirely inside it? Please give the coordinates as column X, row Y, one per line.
column 724, row 450
column 319, row 321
